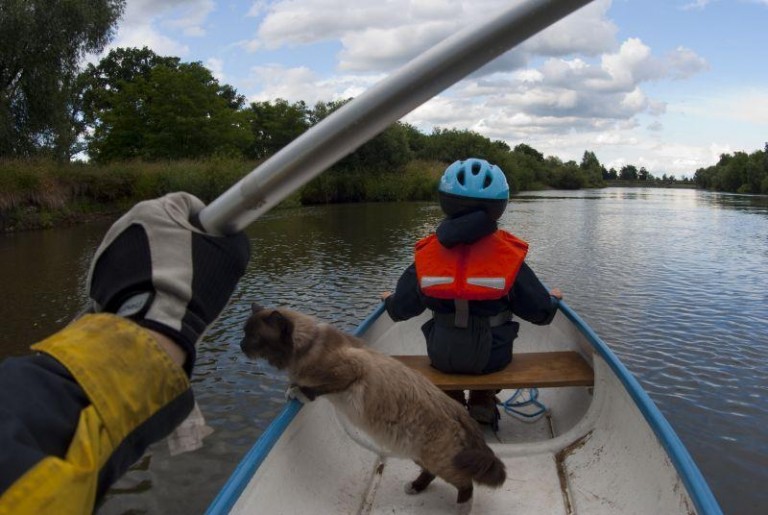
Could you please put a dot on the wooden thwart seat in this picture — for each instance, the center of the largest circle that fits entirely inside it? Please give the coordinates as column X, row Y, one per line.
column 527, row 370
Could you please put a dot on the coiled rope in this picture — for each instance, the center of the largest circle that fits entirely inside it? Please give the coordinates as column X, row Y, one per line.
column 523, row 398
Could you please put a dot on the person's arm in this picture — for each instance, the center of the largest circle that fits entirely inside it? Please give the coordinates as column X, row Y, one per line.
column 406, row 302
column 82, row 409
column 530, row 299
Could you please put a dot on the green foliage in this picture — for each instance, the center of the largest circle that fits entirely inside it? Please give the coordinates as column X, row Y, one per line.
column 388, row 152
column 415, row 181
column 41, row 44
column 528, row 150
column 144, row 106
column 569, row 176
column 738, row 173
column 34, row 190
column 32, row 185
column 591, row 170
column 449, row 145
column 628, row 173
column 274, row 125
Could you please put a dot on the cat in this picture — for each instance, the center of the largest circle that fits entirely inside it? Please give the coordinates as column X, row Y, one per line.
column 397, row 407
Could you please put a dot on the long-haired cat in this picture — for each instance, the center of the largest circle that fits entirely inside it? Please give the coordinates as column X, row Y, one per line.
column 397, row 407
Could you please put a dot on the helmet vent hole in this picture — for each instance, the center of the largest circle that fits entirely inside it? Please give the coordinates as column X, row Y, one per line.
column 476, row 167
column 487, row 181
column 460, row 177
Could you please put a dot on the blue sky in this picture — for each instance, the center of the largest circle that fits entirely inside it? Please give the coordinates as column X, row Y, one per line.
column 665, row 84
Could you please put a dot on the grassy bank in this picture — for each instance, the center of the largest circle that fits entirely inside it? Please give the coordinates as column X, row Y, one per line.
column 37, row 194
column 652, row 184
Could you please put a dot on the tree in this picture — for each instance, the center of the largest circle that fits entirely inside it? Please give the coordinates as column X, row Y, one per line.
column 386, row 152
column 592, row 169
column 449, row 145
column 628, row 173
column 275, row 124
column 522, row 148
column 41, row 44
column 323, row 109
column 140, row 105
column 99, row 84
column 568, row 176
column 736, row 173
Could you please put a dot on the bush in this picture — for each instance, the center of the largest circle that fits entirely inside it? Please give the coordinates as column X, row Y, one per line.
column 39, row 193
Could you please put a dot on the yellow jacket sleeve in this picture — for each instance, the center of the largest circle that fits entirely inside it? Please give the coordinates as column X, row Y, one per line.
column 127, row 379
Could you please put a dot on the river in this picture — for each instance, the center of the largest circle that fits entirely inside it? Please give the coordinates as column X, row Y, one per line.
column 674, row 281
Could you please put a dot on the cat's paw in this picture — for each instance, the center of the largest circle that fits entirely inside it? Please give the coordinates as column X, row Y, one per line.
column 464, row 508
column 410, row 489
column 294, row 392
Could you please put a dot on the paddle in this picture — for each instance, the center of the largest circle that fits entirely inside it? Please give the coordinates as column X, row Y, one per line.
column 367, row 115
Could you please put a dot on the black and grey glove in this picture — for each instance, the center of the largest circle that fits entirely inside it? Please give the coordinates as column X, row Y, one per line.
column 156, row 267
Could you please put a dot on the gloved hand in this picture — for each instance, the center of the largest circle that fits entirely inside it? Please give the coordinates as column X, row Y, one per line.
column 156, row 267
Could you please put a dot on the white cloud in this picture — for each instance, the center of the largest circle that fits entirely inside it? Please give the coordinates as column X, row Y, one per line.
column 571, row 87
column 258, row 8
column 146, row 35
column 389, row 48
column 749, row 106
column 151, row 23
column 683, row 63
column 696, row 4
column 301, row 83
column 742, row 105
column 384, row 35
column 217, row 68
column 655, row 126
column 588, row 31
column 192, row 16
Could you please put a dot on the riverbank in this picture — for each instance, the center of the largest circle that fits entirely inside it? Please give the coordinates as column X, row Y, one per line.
column 42, row 194
column 38, row 194
column 652, row 184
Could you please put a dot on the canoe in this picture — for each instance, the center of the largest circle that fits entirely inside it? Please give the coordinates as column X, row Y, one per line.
column 597, row 446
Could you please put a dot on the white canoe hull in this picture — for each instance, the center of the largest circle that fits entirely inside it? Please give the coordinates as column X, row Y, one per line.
column 601, row 450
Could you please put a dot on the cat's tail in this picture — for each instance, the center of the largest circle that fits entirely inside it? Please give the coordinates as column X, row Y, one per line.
column 483, row 465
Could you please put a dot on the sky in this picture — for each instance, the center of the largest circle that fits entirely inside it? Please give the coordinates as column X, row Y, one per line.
column 668, row 85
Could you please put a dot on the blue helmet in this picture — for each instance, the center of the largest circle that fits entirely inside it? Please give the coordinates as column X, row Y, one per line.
column 472, row 185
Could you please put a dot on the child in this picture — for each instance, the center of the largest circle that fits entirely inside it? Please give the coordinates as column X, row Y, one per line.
column 473, row 278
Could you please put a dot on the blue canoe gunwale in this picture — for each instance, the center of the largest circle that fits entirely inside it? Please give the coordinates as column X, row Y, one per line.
column 697, row 488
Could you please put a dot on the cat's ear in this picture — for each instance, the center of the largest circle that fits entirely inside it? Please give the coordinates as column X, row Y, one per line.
column 282, row 323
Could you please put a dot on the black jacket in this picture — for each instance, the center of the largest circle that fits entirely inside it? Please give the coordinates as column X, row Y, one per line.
column 478, row 348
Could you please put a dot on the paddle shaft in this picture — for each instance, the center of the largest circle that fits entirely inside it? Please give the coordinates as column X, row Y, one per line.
column 369, row 114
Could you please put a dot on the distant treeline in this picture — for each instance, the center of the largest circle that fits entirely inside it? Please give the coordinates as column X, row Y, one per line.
column 150, row 124
column 737, row 173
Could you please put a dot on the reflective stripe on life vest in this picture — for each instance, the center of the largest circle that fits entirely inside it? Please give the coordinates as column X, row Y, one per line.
column 483, row 270
column 428, row 281
column 497, row 283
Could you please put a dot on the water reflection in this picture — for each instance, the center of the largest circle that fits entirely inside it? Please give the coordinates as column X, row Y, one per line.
column 43, row 276
column 673, row 280
column 757, row 204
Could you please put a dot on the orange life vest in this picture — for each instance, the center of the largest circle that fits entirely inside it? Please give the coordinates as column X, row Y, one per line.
column 483, row 270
